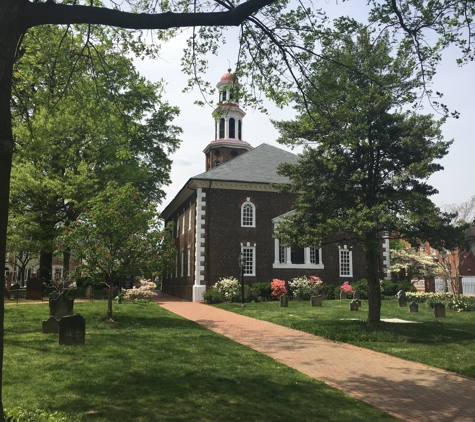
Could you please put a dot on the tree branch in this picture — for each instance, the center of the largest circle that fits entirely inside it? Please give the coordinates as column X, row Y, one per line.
column 35, row 14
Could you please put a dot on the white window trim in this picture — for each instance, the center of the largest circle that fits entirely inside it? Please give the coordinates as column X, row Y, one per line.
column 248, row 201
column 178, row 227
column 350, row 259
column 288, row 264
column 176, row 265
column 253, row 247
column 189, row 219
column 183, row 225
column 182, row 263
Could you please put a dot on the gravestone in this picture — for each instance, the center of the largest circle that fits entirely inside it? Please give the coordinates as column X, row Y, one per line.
column 358, row 302
column 60, row 306
column 72, row 330
column 342, row 295
column 354, row 305
column 50, row 326
column 34, row 289
column 90, row 292
column 439, row 310
column 284, row 301
column 316, row 300
column 356, row 295
column 401, row 298
column 413, row 307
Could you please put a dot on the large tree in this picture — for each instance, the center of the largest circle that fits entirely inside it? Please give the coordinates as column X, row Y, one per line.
column 106, row 123
column 119, row 234
column 363, row 173
column 263, row 23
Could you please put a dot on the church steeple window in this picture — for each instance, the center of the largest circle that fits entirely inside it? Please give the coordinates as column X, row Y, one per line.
column 239, row 129
column 223, row 95
column 221, row 128
column 232, row 128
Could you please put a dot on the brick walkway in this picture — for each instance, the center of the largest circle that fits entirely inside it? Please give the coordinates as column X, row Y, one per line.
column 407, row 390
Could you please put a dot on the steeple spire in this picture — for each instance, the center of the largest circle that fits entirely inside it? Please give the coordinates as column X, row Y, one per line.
column 228, row 128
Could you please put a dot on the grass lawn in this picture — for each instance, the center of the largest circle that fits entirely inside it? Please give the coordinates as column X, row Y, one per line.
column 152, row 365
column 447, row 343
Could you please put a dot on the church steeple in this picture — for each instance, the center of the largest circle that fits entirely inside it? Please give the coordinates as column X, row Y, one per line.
column 228, row 125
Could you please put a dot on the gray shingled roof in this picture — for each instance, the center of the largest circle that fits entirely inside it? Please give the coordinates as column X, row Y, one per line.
column 258, row 165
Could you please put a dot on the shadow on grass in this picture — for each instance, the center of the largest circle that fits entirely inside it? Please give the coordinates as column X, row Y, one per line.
column 201, row 394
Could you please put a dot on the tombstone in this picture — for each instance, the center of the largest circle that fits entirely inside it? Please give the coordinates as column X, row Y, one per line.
column 60, row 306
column 356, row 295
column 401, row 298
column 439, row 310
column 284, row 301
column 316, row 300
column 34, row 289
column 413, row 307
column 358, row 302
column 72, row 330
column 50, row 326
column 354, row 305
column 342, row 295
column 90, row 292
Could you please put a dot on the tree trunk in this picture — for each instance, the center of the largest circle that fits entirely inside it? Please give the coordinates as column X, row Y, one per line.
column 10, row 34
column 66, row 258
column 46, row 265
column 110, row 299
column 374, row 289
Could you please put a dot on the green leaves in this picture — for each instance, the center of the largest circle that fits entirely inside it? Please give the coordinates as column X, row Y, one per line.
column 119, row 234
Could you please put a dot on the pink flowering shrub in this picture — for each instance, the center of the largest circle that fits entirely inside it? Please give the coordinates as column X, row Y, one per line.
column 346, row 287
column 278, row 288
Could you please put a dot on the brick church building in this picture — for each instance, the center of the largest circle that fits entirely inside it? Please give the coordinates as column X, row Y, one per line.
column 233, row 208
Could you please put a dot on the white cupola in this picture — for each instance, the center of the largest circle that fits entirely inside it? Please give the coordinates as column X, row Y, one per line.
column 228, row 125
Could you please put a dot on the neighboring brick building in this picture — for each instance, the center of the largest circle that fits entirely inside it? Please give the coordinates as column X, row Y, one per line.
column 233, row 208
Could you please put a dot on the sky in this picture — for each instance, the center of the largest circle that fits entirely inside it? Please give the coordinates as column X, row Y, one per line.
column 456, row 183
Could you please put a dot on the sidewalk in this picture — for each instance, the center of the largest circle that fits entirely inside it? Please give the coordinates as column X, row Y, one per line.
column 407, row 390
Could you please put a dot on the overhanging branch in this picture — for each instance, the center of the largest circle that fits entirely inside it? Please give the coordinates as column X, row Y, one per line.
column 35, row 14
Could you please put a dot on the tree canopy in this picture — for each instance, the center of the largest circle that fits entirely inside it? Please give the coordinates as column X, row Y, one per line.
column 119, row 234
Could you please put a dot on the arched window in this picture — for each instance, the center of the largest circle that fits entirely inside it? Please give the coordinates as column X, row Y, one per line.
column 248, row 214
column 221, row 128
column 240, row 129
column 232, row 128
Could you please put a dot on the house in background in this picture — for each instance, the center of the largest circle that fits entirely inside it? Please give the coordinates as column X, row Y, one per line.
column 233, row 208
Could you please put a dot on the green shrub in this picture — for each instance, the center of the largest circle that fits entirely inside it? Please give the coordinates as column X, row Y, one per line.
column 388, row 288
column 362, row 287
column 213, row 295
column 405, row 285
column 257, row 292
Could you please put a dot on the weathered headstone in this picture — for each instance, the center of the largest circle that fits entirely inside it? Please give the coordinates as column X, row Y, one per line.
column 413, row 307
column 72, row 330
column 358, row 302
column 342, row 294
column 90, row 292
column 354, row 305
column 439, row 310
column 50, row 326
column 284, row 301
column 61, row 306
column 316, row 300
column 34, row 289
column 401, row 298
column 356, row 294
